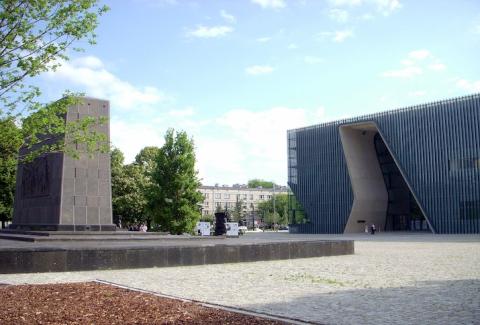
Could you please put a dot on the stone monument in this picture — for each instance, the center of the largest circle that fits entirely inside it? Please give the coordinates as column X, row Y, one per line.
column 58, row 192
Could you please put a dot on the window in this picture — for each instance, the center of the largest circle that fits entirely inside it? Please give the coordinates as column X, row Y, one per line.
column 205, row 195
column 244, row 196
column 218, row 195
column 251, row 196
column 262, row 197
column 269, row 197
column 226, row 196
column 206, row 203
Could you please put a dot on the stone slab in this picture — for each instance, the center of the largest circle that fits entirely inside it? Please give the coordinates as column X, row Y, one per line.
column 163, row 253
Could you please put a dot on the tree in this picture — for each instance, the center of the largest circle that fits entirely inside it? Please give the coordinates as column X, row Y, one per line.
column 146, row 158
column 8, row 167
column 281, row 210
column 254, row 183
column 129, row 182
column 238, row 212
column 34, row 38
column 174, row 198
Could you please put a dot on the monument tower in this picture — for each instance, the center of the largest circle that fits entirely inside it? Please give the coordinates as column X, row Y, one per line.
column 58, row 192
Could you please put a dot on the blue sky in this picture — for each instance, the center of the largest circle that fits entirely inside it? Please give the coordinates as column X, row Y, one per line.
column 237, row 74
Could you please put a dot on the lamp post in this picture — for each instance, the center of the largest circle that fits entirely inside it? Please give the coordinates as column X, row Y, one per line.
column 253, row 216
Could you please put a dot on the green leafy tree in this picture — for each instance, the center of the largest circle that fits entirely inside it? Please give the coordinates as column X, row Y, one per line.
column 8, row 167
column 265, row 209
column 174, row 198
column 238, row 211
column 146, row 161
column 147, row 158
column 207, row 218
column 296, row 212
column 34, row 38
column 129, row 202
column 254, row 183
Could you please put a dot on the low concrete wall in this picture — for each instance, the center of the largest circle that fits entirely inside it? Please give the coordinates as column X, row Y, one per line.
column 34, row 260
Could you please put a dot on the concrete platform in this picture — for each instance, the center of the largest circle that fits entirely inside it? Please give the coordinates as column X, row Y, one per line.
column 72, row 255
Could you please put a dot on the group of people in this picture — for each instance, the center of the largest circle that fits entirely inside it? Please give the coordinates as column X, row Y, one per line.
column 370, row 229
column 142, row 228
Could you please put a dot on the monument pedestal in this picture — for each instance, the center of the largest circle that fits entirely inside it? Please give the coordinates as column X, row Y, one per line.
column 56, row 192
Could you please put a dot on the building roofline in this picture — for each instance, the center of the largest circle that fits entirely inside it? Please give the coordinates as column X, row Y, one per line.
column 362, row 118
column 277, row 189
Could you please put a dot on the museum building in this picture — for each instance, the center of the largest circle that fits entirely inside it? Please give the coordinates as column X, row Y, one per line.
column 410, row 169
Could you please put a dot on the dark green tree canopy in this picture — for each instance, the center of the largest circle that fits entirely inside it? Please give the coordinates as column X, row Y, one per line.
column 254, row 183
column 174, row 198
column 280, row 215
column 8, row 167
column 147, row 158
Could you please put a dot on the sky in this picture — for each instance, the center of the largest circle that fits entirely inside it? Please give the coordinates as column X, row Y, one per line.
column 235, row 75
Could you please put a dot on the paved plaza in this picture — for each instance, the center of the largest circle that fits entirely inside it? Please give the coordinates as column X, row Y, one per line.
column 391, row 279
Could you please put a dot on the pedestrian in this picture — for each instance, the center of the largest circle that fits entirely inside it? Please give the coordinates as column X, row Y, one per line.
column 372, row 229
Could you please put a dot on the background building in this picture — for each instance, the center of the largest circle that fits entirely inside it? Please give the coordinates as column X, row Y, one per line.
column 226, row 197
column 415, row 168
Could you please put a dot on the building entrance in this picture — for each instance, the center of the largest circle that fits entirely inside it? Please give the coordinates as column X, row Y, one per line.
column 403, row 212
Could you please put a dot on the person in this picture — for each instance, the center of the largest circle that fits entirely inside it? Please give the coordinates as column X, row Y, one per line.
column 143, row 228
column 372, row 229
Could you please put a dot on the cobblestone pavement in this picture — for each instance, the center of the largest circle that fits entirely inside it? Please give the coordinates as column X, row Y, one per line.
column 388, row 281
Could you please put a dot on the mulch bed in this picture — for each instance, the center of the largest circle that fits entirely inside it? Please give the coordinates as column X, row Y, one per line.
column 96, row 303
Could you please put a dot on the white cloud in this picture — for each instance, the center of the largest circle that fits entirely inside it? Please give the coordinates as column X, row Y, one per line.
column 338, row 36
column 312, row 59
column 338, row 15
column 228, row 17
column 407, row 72
column 189, row 111
column 263, row 39
column 131, row 136
column 274, row 4
column 415, row 64
column 470, row 86
column 350, row 3
column 259, row 69
column 419, row 54
column 90, row 74
column 210, row 32
column 384, row 7
column 437, row 66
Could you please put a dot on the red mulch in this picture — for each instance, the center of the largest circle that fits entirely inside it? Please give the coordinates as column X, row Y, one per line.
column 95, row 303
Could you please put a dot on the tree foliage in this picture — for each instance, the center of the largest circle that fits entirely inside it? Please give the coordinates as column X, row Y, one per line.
column 239, row 210
column 130, row 184
column 265, row 209
column 174, row 198
column 34, row 38
column 254, row 183
column 8, row 167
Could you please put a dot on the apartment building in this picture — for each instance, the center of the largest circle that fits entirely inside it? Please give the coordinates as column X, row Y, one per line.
column 226, row 197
